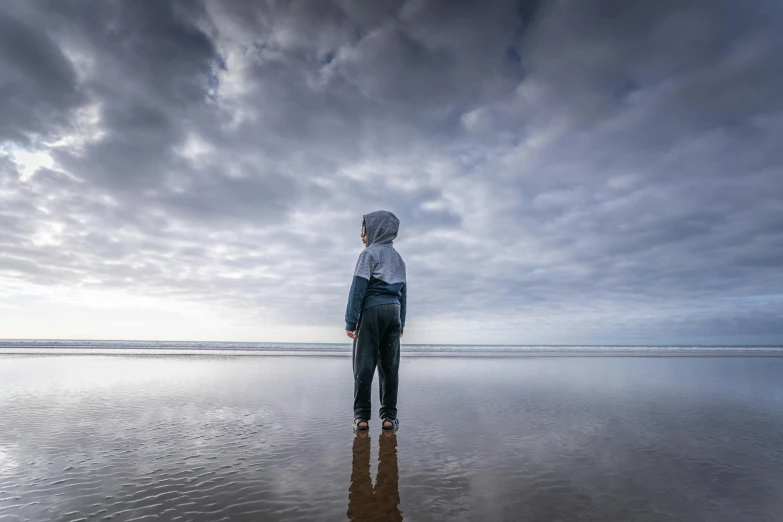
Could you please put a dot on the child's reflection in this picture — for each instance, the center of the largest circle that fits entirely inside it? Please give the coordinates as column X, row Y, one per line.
column 382, row 502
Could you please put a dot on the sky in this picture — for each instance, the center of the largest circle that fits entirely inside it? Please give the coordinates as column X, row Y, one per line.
column 565, row 172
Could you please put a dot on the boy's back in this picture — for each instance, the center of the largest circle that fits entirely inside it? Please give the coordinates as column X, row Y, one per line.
column 379, row 277
column 375, row 317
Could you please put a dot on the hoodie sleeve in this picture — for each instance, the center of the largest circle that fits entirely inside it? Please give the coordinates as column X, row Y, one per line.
column 361, row 277
column 403, row 305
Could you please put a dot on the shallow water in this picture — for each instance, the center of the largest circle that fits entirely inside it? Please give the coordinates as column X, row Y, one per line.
column 269, row 438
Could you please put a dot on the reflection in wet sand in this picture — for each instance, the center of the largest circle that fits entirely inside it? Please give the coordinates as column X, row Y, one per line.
column 381, row 503
column 556, row 439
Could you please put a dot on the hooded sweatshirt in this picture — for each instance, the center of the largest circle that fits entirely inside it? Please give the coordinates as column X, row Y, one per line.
column 379, row 277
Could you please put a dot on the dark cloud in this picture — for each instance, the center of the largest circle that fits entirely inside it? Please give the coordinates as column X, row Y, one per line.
column 38, row 85
column 564, row 172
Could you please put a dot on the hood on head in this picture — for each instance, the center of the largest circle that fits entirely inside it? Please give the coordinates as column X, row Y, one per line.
column 381, row 227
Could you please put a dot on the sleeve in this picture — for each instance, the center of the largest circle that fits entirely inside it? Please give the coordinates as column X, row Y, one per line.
column 403, row 304
column 361, row 278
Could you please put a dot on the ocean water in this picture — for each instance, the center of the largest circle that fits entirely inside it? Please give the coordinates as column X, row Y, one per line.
column 12, row 346
column 551, row 438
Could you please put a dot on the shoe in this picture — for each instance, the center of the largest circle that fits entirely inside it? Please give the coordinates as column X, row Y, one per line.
column 395, row 424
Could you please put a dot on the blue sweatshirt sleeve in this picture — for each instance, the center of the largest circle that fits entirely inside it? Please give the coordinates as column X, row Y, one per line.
column 361, row 278
column 355, row 299
column 403, row 304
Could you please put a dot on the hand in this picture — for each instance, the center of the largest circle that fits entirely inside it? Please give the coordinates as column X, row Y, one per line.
column 400, row 336
column 351, row 334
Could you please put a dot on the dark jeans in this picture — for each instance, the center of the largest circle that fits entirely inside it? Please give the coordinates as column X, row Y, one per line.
column 377, row 344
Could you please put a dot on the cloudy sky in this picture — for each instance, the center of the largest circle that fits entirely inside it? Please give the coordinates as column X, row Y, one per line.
column 597, row 171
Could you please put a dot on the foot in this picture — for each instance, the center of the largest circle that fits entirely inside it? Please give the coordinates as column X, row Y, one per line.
column 360, row 424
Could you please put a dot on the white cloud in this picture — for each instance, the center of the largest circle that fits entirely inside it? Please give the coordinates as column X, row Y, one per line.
column 28, row 162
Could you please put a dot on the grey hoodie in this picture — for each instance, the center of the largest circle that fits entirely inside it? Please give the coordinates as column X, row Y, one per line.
column 379, row 277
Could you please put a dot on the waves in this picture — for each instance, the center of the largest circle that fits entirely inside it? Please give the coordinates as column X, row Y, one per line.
column 92, row 347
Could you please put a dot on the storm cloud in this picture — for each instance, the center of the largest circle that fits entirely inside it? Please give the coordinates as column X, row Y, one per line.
column 564, row 172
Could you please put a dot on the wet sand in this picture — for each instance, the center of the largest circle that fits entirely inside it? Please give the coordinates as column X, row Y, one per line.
column 269, row 438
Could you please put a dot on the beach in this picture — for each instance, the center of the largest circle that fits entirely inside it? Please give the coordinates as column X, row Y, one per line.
column 268, row 437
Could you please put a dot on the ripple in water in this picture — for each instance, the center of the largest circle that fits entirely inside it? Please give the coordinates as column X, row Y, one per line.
column 199, row 438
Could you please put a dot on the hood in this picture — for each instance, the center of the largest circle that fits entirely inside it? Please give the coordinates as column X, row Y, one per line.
column 381, row 226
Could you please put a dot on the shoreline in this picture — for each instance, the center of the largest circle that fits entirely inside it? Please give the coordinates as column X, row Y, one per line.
column 650, row 353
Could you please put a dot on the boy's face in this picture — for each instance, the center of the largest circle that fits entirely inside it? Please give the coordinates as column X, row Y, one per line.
column 364, row 234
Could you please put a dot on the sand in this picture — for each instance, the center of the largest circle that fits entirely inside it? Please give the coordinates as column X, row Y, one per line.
column 269, row 438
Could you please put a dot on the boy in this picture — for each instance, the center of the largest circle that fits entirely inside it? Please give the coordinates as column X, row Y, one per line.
column 375, row 318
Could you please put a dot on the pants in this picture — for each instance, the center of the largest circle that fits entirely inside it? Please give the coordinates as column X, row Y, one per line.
column 377, row 344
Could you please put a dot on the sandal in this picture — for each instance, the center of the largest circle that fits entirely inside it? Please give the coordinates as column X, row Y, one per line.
column 394, row 424
column 356, row 426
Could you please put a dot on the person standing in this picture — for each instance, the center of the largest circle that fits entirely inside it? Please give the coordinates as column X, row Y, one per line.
column 375, row 318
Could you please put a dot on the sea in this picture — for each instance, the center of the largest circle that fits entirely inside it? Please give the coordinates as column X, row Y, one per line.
column 109, row 347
